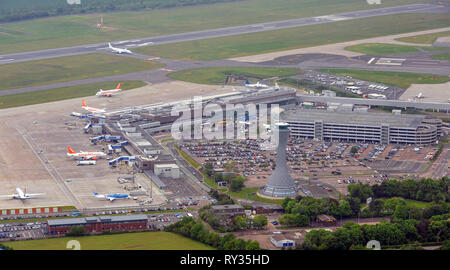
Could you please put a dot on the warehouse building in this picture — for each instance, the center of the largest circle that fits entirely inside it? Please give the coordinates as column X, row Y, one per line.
column 282, row 241
column 363, row 127
column 232, row 210
column 99, row 224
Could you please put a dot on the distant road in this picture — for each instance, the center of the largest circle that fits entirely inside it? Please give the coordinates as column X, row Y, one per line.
column 220, row 32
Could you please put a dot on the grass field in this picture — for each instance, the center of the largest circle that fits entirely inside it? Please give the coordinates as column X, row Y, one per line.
column 69, row 68
column 414, row 203
column 424, row 39
column 190, row 160
column 126, row 241
column 218, row 75
column 81, row 29
column 43, row 96
column 250, row 194
column 442, row 56
column 383, row 48
column 294, row 38
column 398, row 79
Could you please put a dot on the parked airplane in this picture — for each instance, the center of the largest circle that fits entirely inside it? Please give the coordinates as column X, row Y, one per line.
column 94, row 110
column 256, row 85
column 420, row 95
column 22, row 195
column 109, row 93
column 111, row 197
column 118, row 50
column 84, row 155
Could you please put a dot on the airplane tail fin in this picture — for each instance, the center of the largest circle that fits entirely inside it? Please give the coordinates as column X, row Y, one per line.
column 247, row 82
column 109, row 43
column 119, row 85
column 70, row 150
column 95, row 193
column 83, row 103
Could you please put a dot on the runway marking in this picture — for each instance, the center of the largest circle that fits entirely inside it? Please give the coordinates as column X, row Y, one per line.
column 333, row 18
column 7, row 60
column 144, row 44
column 371, row 60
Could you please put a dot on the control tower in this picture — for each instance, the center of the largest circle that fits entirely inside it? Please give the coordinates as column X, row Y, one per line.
column 280, row 184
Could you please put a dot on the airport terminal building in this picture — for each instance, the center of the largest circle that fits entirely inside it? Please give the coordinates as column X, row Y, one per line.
column 350, row 126
column 99, row 224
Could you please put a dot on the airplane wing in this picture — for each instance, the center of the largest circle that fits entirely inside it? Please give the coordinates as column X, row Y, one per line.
column 35, row 194
column 7, row 196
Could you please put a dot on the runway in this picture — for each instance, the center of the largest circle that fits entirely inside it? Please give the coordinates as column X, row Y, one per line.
column 220, row 32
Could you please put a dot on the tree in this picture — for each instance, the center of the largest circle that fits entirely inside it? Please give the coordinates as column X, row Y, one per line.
column 376, row 207
column 355, row 205
column 197, row 231
column 227, row 241
column 237, row 183
column 76, row 231
column 401, row 212
column 259, row 221
column 252, row 245
column 354, row 150
column 241, row 222
column 360, row 191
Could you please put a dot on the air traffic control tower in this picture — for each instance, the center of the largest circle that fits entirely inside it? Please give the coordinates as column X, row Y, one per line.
column 280, row 184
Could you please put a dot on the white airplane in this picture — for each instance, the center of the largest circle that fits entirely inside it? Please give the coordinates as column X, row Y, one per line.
column 94, row 110
column 420, row 95
column 22, row 195
column 118, row 50
column 84, row 155
column 256, row 85
column 109, row 93
column 111, row 197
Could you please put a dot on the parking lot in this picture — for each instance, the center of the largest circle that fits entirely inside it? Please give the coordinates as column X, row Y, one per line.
column 319, row 168
column 351, row 85
column 22, row 231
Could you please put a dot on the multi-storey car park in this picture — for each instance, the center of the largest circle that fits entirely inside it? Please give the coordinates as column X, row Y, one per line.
column 362, row 127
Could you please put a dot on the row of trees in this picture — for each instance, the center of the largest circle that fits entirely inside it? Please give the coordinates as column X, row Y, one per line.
column 193, row 229
column 226, row 224
column 423, row 190
column 354, row 236
column 256, row 222
column 302, row 210
column 13, row 10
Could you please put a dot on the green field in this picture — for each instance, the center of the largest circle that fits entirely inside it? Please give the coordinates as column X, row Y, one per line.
column 414, row 203
column 398, row 79
column 69, row 68
column 294, row 38
column 43, row 96
column 425, row 39
column 383, row 48
column 81, row 29
column 442, row 56
column 218, row 75
column 126, row 241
